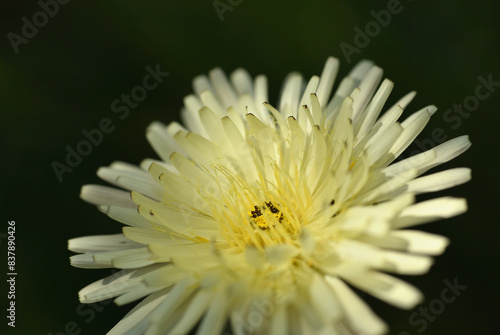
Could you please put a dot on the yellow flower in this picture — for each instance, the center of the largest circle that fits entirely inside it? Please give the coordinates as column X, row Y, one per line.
column 260, row 216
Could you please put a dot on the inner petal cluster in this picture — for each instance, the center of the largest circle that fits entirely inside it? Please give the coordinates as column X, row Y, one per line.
column 250, row 204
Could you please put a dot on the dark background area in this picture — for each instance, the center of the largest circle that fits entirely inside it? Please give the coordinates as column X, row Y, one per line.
column 64, row 79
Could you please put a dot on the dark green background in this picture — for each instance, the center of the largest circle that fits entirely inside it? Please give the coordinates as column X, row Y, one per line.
column 65, row 78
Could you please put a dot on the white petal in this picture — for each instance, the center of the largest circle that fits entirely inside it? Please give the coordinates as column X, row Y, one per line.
column 215, row 318
column 201, row 84
column 290, row 95
column 183, row 220
column 345, row 88
column 138, row 313
column 422, row 242
column 359, row 71
column 439, row 181
column 213, row 125
column 105, row 259
column 113, row 285
column 431, row 158
column 225, row 92
column 133, row 261
column 123, row 166
column 451, row 149
column 174, row 298
column 260, row 89
column 192, row 104
column 242, row 81
column 352, row 251
column 389, row 189
column 87, row 261
column 374, row 108
column 360, row 316
column 327, row 78
column 128, row 216
column 101, row 243
column 146, row 164
column 210, row 101
column 323, row 300
column 191, row 316
column 387, row 288
column 405, row 100
column 388, row 119
column 190, row 116
column 412, row 126
column 281, row 253
column 378, row 151
column 403, row 263
column 107, row 196
column 152, row 236
column 138, row 181
column 430, row 210
column 161, row 140
column 190, row 170
column 367, row 87
column 137, row 293
column 311, row 87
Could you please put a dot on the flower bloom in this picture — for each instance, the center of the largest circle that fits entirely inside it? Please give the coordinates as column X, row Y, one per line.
column 266, row 217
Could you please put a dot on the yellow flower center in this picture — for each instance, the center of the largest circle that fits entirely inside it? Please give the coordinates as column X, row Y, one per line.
column 258, row 217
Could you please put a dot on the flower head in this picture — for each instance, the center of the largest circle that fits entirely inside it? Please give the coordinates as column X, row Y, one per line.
column 263, row 217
